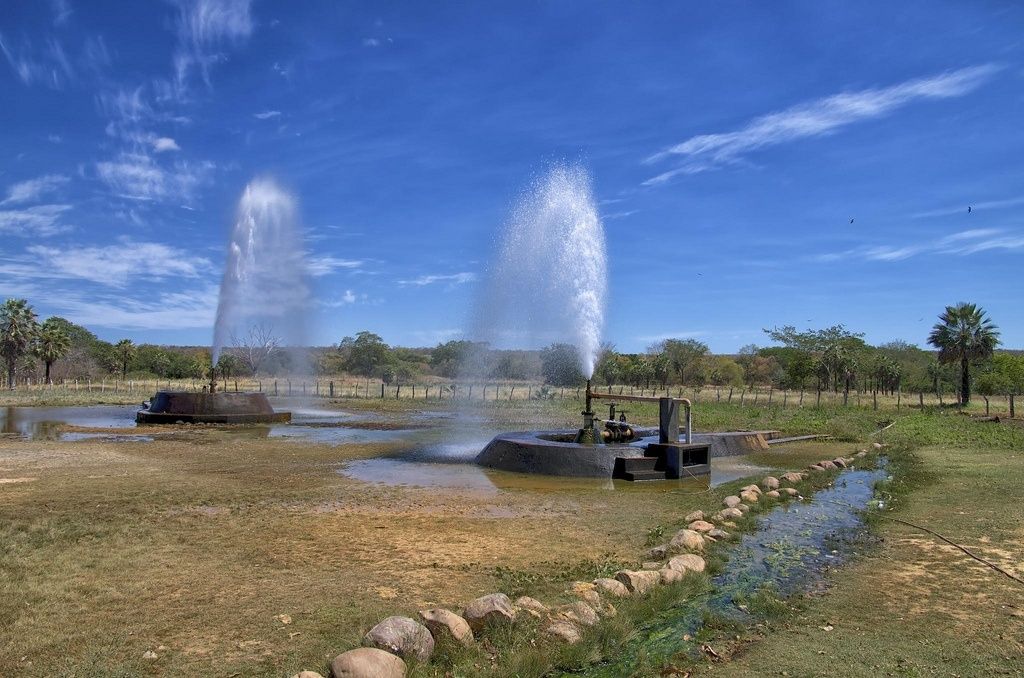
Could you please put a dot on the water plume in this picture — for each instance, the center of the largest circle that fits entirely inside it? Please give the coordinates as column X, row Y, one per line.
column 265, row 279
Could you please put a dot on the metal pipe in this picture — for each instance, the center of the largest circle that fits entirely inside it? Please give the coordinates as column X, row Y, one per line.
column 685, row 402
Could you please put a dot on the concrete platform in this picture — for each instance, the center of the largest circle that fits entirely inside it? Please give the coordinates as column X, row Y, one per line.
column 188, row 407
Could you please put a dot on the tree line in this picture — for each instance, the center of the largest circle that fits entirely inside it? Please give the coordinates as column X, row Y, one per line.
column 829, row 359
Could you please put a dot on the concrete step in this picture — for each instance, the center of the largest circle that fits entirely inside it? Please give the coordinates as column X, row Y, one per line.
column 637, row 464
column 644, row 475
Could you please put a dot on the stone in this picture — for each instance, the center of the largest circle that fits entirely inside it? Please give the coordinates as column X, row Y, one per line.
column 749, row 497
column 770, row 483
column 877, row 446
column 149, row 654
column 579, row 613
column 307, row 674
column 650, row 565
column 750, row 488
column 401, row 636
column 670, row 576
column 792, row 477
column 367, row 662
column 701, row 526
column 612, row 587
column 743, row 508
column 638, row 582
column 695, row 515
column 444, row 623
column 591, row 598
column 861, row 454
column 564, row 631
column 538, row 609
column 490, row 609
column 658, row 552
column 790, row 491
column 840, row 462
column 774, row 494
column 816, row 467
column 732, row 501
column 732, row 514
column 719, row 534
column 827, row 465
column 687, row 540
column 688, row 562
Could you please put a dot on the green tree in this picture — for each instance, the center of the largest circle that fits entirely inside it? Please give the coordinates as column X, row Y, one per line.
column 366, row 354
column 687, row 358
column 448, row 359
column 18, row 330
column 609, row 365
column 52, row 344
column 964, row 334
column 726, row 372
column 125, row 351
column 560, row 365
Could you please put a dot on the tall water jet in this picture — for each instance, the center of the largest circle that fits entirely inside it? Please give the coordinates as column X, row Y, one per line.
column 264, row 287
column 550, row 278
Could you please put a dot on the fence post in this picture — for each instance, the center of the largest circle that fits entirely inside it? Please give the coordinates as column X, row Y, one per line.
column 1012, row 413
column 730, row 394
column 330, row 385
column 874, row 399
column 785, row 397
column 275, row 387
column 382, row 390
column 771, row 392
column 818, row 401
column 743, row 394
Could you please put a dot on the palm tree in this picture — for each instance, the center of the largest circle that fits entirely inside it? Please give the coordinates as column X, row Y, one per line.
column 964, row 333
column 18, row 328
column 125, row 351
column 52, row 344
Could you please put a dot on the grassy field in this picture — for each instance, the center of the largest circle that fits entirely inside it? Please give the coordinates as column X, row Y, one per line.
column 193, row 546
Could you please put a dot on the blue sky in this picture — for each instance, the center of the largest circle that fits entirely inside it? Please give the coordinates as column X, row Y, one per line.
column 730, row 145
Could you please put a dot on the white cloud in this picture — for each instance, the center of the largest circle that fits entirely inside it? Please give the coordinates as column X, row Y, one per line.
column 117, row 265
column 454, row 278
column 325, row 265
column 38, row 220
column 32, row 189
column 49, row 65
column 204, row 26
column 815, row 118
column 136, row 176
column 187, row 309
column 371, row 42
column 266, row 115
column 962, row 243
column 161, row 144
column 54, row 138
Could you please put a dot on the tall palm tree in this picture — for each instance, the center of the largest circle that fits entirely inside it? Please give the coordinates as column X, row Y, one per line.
column 125, row 351
column 52, row 344
column 964, row 333
column 18, row 328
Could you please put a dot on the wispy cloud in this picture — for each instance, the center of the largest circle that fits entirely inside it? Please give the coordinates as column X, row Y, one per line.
column 266, row 115
column 33, row 189
column 138, row 177
column 811, row 119
column 39, row 220
column 319, row 266
column 46, row 63
column 454, row 278
column 975, row 206
column 204, row 27
column 116, row 265
column 961, row 243
column 187, row 309
column 163, row 144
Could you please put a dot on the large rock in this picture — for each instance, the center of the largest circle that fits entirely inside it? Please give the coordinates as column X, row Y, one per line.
column 538, row 609
column 565, row 631
column 732, row 501
column 743, row 508
column 446, row 624
column 774, row 494
column 493, row 608
column 687, row 540
column 658, row 552
column 718, row 534
column 579, row 613
column 750, row 488
column 731, row 513
column 792, row 477
column 791, row 491
column 612, row 587
column 828, row 465
column 770, row 483
column 670, row 576
column 307, row 674
column 401, row 636
column 638, row 582
column 749, row 497
column 816, row 467
column 695, row 515
column 877, row 446
column 367, row 662
column 701, row 526
column 840, row 462
column 861, row 454
column 688, row 562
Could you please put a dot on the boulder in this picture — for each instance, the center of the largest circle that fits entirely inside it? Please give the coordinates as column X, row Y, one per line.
column 694, row 515
column 743, row 508
column 564, row 631
column 792, row 477
column 490, row 609
column 840, row 462
column 792, row 492
column 401, row 636
column 861, row 454
column 578, row 613
column 749, row 497
column 538, row 609
column 732, row 501
column 687, row 540
column 612, row 587
column 307, row 674
column 367, row 662
column 750, row 488
column 827, row 465
column 774, row 494
column 718, row 534
column 670, row 576
column 816, row 467
column 732, row 513
column 638, row 582
column 446, row 624
column 687, row 562
column 701, row 526
column 658, row 552
column 877, row 446
column 770, row 483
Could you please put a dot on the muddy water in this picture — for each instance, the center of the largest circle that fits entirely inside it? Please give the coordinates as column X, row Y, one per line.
column 794, row 546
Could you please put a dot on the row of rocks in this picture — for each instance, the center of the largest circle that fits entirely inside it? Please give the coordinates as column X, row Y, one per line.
column 396, row 639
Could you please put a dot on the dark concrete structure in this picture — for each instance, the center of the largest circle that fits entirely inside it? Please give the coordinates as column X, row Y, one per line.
column 186, row 407
column 554, row 453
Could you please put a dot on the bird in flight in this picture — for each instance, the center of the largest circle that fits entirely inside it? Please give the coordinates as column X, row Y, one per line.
column 968, row 209
column 851, row 221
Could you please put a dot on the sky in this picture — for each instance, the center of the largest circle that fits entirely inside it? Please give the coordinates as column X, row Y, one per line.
column 755, row 164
